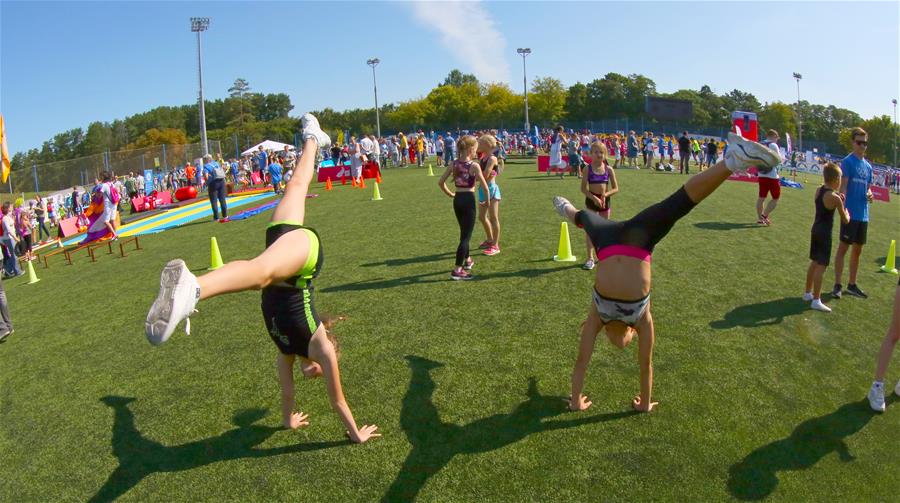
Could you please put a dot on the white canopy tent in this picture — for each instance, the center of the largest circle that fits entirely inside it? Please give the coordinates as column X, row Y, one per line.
column 268, row 145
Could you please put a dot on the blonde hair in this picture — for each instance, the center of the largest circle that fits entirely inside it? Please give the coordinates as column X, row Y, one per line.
column 465, row 143
column 599, row 150
column 489, row 140
column 831, row 172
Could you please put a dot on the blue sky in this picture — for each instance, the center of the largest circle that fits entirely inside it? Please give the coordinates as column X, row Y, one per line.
column 64, row 65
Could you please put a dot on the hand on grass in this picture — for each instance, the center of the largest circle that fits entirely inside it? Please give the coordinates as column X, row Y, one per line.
column 641, row 407
column 297, row 420
column 581, row 404
column 365, row 433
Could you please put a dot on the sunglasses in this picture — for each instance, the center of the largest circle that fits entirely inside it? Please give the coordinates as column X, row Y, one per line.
column 862, row 143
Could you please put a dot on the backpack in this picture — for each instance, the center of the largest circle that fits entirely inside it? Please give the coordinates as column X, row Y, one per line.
column 114, row 194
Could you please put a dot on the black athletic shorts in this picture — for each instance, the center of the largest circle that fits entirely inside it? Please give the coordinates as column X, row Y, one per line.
column 854, row 232
column 820, row 248
column 644, row 230
column 591, row 205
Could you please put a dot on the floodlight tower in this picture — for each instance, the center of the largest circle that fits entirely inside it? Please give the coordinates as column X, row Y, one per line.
column 524, row 52
column 799, row 120
column 373, row 63
column 199, row 25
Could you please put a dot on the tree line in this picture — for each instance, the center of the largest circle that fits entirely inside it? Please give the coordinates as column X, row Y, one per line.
column 459, row 102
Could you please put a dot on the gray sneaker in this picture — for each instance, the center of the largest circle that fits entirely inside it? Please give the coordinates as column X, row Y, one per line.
column 178, row 296
column 311, row 129
column 876, row 397
column 743, row 154
column 561, row 204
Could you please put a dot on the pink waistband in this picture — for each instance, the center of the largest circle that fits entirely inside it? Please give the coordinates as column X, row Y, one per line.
column 625, row 250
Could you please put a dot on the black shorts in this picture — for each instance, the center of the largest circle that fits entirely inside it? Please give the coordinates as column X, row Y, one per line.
column 591, row 205
column 820, row 248
column 854, row 232
column 644, row 230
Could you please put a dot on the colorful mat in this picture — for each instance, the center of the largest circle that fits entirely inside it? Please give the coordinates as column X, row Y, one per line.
column 178, row 216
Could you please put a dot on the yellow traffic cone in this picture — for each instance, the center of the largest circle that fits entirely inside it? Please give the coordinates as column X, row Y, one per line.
column 215, row 260
column 890, row 264
column 430, row 172
column 32, row 277
column 376, row 196
column 564, row 250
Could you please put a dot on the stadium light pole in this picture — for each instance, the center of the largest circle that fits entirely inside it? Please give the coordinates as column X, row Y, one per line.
column 373, row 63
column 799, row 120
column 199, row 25
column 894, row 101
column 524, row 52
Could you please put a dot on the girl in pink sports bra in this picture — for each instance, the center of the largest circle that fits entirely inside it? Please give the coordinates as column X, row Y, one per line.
column 598, row 186
column 621, row 293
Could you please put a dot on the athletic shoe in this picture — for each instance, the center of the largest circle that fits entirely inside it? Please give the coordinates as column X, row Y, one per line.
column 896, row 388
column 311, row 129
column 493, row 250
column 766, row 218
column 807, row 296
column 4, row 334
column 461, row 275
column 561, row 203
column 485, row 244
column 743, row 153
column 469, row 265
column 588, row 265
column 876, row 397
column 761, row 220
column 819, row 306
column 854, row 290
column 178, row 296
column 836, row 291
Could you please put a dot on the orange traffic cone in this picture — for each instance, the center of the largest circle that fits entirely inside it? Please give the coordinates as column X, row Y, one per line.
column 353, row 181
column 378, row 178
column 328, row 183
column 362, row 182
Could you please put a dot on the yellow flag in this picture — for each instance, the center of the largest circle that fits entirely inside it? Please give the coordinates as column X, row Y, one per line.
column 4, row 152
column 340, row 137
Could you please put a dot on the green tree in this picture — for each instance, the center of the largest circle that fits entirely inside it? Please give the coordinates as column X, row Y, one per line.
column 778, row 116
column 500, row 106
column 547, row 101
column 882, row 134
column 457, row 78
column 237, row 92
column 153, row 136
column 576, row 107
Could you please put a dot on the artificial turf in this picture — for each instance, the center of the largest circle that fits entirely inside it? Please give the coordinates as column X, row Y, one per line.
column 759, row 396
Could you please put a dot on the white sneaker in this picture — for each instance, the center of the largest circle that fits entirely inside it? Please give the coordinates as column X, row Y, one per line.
column 588, row 265
column 876, row 397
column 743, row 153
column 819, row 306
column 561, row 203
column 178, row 295
column 807, row 296
column 311, row 129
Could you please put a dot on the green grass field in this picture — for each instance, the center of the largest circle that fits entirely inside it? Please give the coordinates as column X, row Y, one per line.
column 759, row 396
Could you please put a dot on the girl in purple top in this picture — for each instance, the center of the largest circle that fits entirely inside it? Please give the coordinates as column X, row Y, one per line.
column 599, row 184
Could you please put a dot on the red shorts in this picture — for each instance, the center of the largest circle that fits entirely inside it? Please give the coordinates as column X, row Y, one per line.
column 769, row 186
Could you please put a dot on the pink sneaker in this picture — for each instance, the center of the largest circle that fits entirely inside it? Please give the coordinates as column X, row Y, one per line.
column 469, row 264
column 493, row 250
column 484, row 245
column 460, row 275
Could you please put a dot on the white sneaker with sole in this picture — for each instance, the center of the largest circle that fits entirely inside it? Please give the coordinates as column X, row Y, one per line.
column 311, row 129
column 178, row 296
column 819, row 306
column 876, row 397
column 743, row 154
column 807, row 296
column 561, row 203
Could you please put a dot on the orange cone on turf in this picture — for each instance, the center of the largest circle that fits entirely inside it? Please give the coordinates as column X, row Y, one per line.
column 353, row 182
column 362, row 182
column 328, row 183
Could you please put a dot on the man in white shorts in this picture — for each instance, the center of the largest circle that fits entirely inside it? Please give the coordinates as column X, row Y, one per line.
column 556, row 160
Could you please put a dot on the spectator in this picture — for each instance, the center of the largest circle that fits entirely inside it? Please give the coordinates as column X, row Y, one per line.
column 216, row 176
column 684, row 149
column 6, row 327
column 8, row 240
column 855, row 182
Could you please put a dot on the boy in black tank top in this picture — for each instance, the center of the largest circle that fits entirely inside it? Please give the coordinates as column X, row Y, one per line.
column 827, row 201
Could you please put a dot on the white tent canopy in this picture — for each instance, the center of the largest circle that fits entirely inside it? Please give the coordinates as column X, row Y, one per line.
column 268, row 145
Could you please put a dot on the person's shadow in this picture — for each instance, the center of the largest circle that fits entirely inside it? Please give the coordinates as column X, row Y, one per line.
column 762, row 314
column 140, row 457
column 435, row 443
column 756, row 476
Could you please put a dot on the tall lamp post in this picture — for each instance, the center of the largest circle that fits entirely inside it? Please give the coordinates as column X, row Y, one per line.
column 199, row 25
column 373, row 63
column 894, row 101
column 524, row 52
column 799, row 119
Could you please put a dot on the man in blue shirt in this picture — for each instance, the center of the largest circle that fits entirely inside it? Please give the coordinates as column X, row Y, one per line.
column 855, row 182
column 275, row 172
column 215, row 177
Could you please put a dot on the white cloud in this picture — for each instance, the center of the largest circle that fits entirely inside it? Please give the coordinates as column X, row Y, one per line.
column 468, row 32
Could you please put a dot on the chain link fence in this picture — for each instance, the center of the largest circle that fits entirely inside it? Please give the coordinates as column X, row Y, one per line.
column 83, row 170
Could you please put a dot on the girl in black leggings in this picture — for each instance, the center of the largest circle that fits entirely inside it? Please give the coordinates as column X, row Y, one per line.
column 465, row 172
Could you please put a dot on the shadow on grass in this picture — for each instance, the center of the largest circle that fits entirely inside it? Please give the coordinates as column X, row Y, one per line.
column 394, row 262
column 756, row 476
column 436, row 277
column 724, row 226
column 435, row 442
column 762, row 314
column 140, row 457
